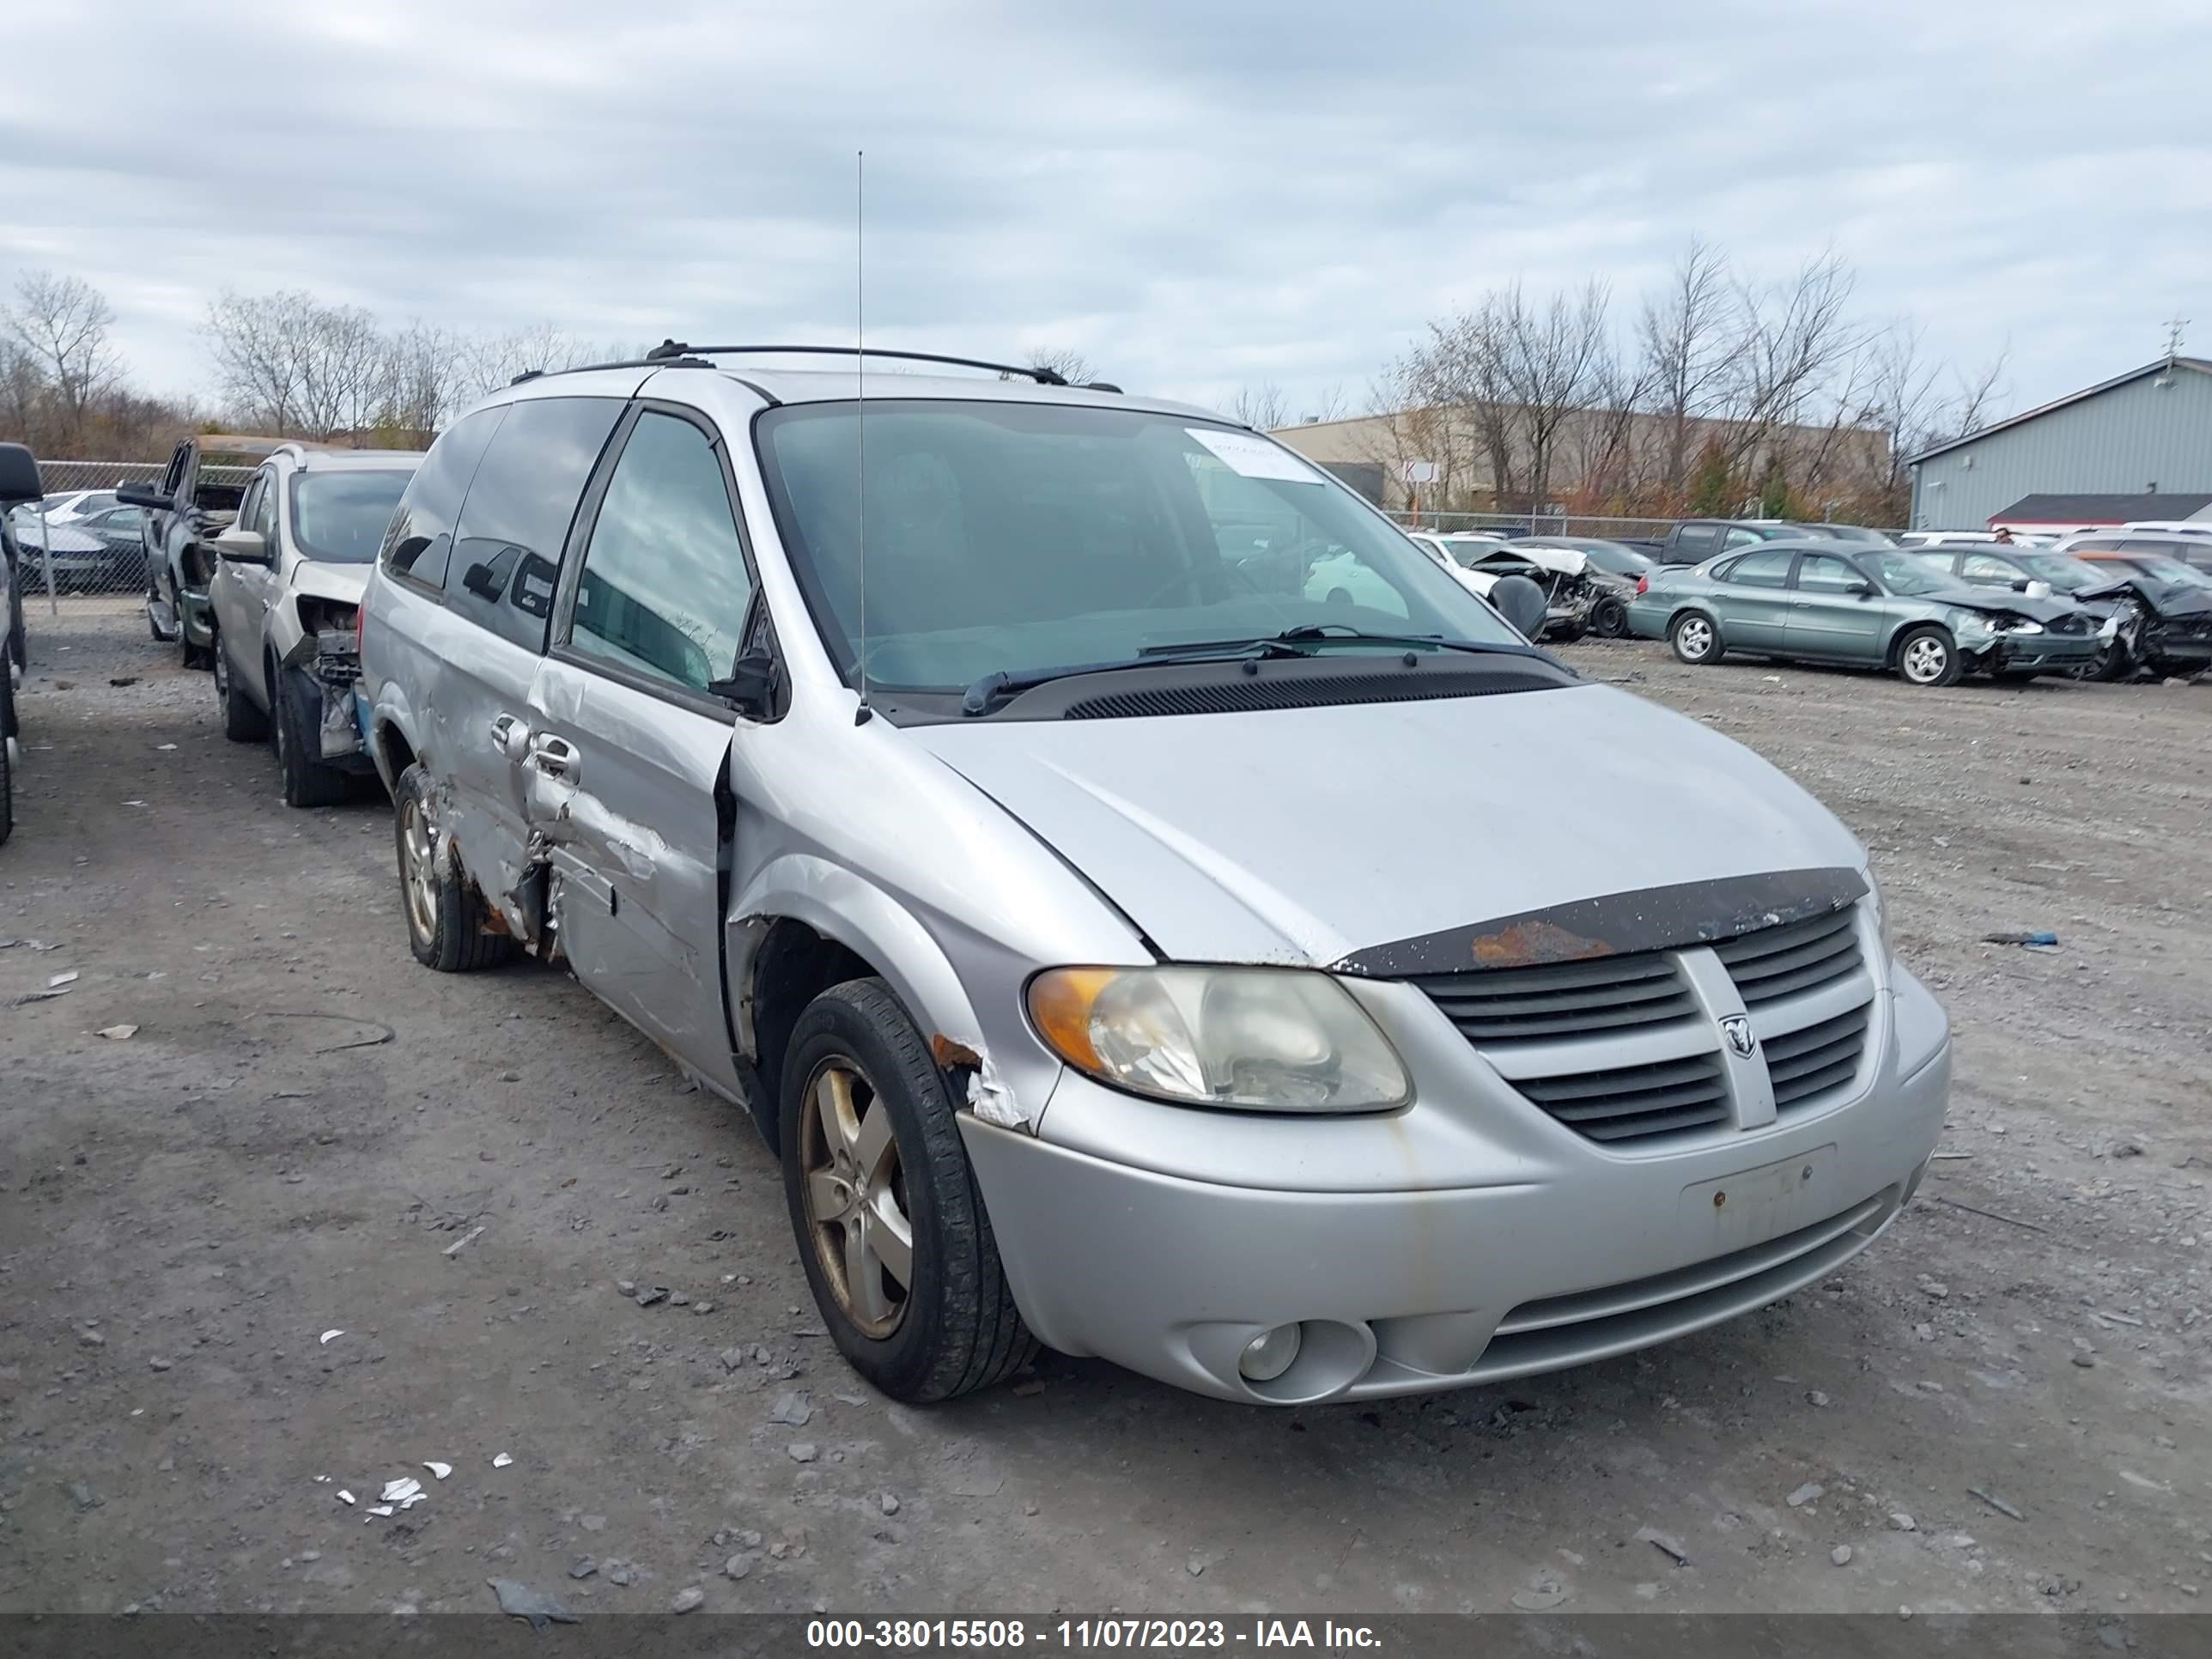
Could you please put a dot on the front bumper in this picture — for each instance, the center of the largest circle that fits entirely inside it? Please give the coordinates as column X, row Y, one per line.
column 1550, row 1261
column 2056, row 653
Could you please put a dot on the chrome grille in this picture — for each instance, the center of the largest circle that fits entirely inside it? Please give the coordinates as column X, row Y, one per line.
column 1797, row 956
column 1565, row 999
column 1804, row 1065
column 1632, row 1102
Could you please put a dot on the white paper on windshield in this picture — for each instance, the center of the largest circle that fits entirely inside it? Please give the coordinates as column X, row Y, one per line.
column 1254, row 458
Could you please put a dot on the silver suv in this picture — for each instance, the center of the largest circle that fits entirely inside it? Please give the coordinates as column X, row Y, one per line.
column 958, row 778
column 283, row 604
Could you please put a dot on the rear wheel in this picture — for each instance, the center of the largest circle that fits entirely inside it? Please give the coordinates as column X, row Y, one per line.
column 242, row 722
column 897, row 1248
column 445, row 912
column 1927, row 656
column 1695, row 641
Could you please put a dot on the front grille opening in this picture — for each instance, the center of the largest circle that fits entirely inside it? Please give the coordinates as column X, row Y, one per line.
column 1571, row 999
column 1636, row 1103
column 1795, row 958
column 1803, row 1065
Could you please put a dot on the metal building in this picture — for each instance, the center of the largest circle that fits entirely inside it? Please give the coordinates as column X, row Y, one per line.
column 2147, row 432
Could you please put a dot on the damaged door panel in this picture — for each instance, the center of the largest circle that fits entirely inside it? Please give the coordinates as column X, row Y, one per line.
column 625, row 771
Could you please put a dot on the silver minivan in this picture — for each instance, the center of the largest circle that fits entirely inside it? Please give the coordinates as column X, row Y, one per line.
column 1291, row 998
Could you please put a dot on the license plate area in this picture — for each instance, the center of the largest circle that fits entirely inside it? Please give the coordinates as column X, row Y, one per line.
column 1735, row 1212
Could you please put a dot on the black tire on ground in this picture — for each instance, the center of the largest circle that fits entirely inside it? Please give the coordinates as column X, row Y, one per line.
column 1927, row 656
column 6, row 771
column 1608, row 618
column 1696, row 639
column 446, row 915
column 299, row 729
column 957, row 1329
column 242, row 721
column 2114, row 662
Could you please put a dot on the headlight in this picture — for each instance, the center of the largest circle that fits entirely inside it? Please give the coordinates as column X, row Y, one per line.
column 1262, row 1039
column 1881, row 915
column 2019, row 625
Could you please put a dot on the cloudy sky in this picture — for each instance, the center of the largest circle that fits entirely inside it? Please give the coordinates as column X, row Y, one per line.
column 1197, row 195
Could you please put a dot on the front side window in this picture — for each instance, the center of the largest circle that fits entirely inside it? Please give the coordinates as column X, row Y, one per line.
column 259, row 510
column 1900, row 573
column 664, row 590
column 341, row 517
column 1761, row 570
column 1698, row 539
column 1013, row 536
column 1986, row 570
column 1744, row 539
column 1824, row 573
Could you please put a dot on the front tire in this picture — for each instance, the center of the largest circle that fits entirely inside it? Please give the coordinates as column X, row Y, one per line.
column 445, row 912
column 1696, row 640
column 1927, row 656
column 1609, row 618
column 897, row 1247
column 299, row 728
column 7, row 737
column 241, row 722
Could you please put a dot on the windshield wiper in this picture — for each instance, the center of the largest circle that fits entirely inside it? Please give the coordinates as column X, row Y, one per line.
column 993, row 688
column 1324, row 633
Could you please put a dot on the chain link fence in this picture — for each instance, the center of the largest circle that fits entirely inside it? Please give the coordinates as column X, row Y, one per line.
column 87, row 544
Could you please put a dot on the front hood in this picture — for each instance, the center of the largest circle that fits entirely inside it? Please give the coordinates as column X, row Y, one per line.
column 342, row 584
column 2005, row 602
column 2168, row 599
column 1307, row 835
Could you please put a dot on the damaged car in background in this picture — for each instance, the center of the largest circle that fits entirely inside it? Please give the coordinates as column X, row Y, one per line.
column 1059, row 901
column 283, row 608
column 2161, row 611
column 1581, row 595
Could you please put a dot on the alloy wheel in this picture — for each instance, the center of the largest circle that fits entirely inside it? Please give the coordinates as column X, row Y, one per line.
column 420, row 875
column 855, row 1195
column 1925, row 658
column 1696, row 637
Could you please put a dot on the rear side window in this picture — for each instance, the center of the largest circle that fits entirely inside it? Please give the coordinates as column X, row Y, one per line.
column 1761, row 570
column 418, row 544
column 664, row 589
column 507, row 550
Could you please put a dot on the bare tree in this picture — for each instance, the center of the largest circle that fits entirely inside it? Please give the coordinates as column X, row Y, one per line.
column 1408, row 423
column 60, row 325
column 1263, row 408
column 1685, row 332
column 1331, row 405
column 1071, row 365
column 1793, row 337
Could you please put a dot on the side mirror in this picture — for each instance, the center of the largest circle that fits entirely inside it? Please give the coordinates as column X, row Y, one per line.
column 1521, row 602
column 19, row 474
column 134, row 493
column 1864, row 588
column 750, row 687
column 237, row 546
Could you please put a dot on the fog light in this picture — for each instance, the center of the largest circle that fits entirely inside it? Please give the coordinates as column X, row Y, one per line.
column 1269, row 1354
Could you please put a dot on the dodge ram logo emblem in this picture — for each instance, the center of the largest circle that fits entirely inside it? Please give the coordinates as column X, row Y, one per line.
column 1740, row 1039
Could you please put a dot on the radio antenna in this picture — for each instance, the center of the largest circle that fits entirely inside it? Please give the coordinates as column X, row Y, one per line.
column 860, row 403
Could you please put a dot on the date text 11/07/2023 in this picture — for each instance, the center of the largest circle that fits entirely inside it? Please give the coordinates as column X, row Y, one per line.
column 1085, row 1635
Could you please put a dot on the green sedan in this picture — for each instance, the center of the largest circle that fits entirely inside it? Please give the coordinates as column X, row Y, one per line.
column 1876, row 607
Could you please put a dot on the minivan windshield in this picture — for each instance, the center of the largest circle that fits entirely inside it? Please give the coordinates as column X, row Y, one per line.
column 339, row 517
column 1012, row 538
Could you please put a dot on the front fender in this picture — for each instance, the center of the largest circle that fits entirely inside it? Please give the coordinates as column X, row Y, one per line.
column 841, row 905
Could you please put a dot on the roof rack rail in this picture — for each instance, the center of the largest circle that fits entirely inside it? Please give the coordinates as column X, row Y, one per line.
column 674, row 350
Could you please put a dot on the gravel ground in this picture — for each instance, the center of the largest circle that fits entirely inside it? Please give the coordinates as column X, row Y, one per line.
column 191, row 1207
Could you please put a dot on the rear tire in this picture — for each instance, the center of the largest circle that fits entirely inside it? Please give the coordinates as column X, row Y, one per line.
column 445, row 913
column 307, row 781
column 1927, row 656
column 951, row 1326
column 7, row 737
column 1696, row 639
column 241, row 722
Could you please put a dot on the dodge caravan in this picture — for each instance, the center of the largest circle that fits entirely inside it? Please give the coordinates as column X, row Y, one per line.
column 945, row 769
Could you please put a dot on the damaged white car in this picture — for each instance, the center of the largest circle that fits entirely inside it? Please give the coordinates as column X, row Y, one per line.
column 285, row 600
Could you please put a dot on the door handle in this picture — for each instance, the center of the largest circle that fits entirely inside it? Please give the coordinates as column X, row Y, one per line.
column 555, row 756
column 509, row 734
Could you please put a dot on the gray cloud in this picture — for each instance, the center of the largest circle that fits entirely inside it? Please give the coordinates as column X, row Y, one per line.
column 1194, row 196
